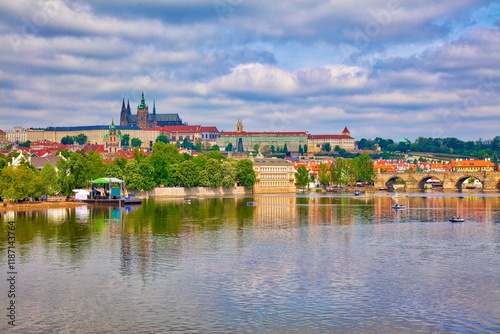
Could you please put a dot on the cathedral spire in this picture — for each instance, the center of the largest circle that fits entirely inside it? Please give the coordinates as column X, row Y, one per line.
column 123, row 104
column 154, row 107
column 128, row 107
column 143, row 102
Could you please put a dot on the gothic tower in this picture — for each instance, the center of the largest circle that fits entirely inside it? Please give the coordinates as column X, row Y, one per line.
column 154, row 113
column 123, row 114
column 239, row 126
column 142, row 113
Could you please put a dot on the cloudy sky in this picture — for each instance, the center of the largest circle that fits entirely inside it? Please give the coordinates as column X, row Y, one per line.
column 383, row 68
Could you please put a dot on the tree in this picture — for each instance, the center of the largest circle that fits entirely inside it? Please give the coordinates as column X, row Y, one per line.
column 228, row 170
column 326, row 147
column 339, row 172
column 302, row 177
column 285, row 148
column 126, row 140
column 215, row 148
column 214, row 155
column 256, row 147
column 324, row 175
column 229, row 147
column 114, row 170
column 211, row 176
column 186, row 144
column 136, row 142
column 81, row 139
column 67, row 140
column 301, row 150
column 3, row 161
column 273, row 149
column 305, row 148
column 94, row 167
column 362, row 168
column 188, row 174
column 133, row 177
column 198, row 147
column 146, row 171
column 161, row 167
column 20, row 182
column 25, row 144
column 48, row 176
column 163, row 139
column 245, row 174
column 174, row 177
column 170, row 151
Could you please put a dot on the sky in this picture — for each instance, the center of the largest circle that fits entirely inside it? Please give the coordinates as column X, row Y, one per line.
column 381, row 68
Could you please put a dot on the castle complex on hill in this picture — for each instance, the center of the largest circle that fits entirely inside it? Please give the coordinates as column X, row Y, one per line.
column 147, row 126
column 144, row 119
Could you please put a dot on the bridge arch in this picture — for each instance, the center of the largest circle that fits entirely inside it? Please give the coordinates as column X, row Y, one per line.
column 422, row 181
column 460, row 181
column 389, row 184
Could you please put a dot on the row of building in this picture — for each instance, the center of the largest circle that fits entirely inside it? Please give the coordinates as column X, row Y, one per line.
column 147, row 126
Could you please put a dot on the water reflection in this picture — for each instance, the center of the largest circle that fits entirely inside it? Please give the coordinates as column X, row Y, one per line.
column 311, row 263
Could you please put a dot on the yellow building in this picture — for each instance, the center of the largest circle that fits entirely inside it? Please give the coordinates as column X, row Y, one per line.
column 465, row 166
column 315, row 143
column 273, row 176
column 95, row 133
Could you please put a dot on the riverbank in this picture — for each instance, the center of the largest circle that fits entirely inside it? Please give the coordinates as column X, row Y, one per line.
column 27, row 206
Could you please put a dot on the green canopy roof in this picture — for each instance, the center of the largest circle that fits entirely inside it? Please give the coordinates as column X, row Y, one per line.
column 105, row 180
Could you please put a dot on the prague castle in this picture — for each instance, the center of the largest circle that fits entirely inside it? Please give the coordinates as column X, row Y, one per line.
column 144, row 119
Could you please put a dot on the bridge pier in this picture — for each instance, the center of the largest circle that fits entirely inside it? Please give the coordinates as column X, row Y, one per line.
column 412, row 183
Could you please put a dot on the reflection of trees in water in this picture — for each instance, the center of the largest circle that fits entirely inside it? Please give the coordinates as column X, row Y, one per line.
column 156, row 229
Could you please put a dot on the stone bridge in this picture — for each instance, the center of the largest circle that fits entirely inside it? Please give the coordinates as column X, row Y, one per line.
column 450, row 180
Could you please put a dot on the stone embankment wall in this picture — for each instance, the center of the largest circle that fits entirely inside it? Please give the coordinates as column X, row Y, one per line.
column 200, row 192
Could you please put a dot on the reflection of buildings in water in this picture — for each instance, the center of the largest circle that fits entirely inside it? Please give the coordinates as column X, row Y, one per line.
column 8, row 215
column 275, row 211
column 331, row 211
column 57, row 214
column 82, row 213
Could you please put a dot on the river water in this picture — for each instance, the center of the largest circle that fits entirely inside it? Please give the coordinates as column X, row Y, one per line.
column 294, row 264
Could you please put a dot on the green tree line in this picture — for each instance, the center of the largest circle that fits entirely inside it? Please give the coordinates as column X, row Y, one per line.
column 478, row 149
column 164, row 167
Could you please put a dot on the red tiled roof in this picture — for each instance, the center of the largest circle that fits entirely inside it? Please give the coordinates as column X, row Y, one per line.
column 209, row 129
column 39, row 162
column 94, row 147
column 475, row 163
column 255, row 133
column 329, row 137
column 181, row 128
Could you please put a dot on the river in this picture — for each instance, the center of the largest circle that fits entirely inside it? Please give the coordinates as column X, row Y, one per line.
column 294, row 264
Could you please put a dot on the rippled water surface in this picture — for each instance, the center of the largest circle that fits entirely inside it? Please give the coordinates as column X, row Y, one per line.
column 304, row 264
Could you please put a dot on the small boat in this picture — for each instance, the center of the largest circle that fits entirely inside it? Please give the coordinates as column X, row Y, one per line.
column 398, row 207
column 357, row 193
column 251, row 203
column 457, row 220
column 187, row 201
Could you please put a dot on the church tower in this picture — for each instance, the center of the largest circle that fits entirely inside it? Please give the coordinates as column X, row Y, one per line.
column 239, row 126
column 123, row 114
column 153, row 121
column 142, row 113
column 112, row 139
